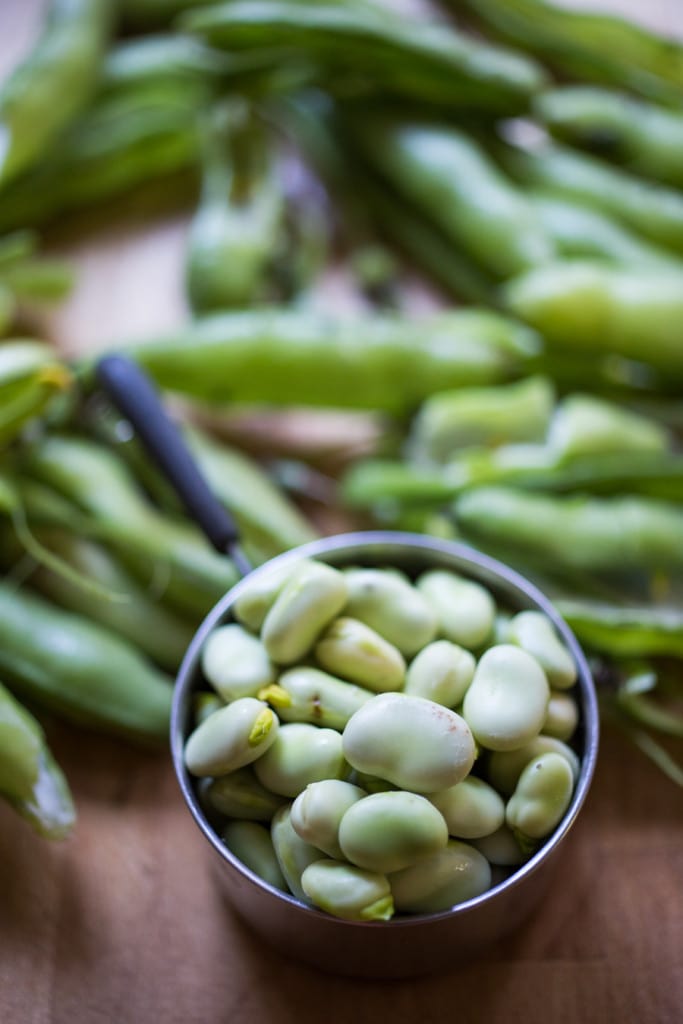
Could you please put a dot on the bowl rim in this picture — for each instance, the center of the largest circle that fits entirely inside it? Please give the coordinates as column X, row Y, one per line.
column 472, row 562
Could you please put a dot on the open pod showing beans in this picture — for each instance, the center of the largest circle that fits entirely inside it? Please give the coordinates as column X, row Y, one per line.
column 385, row 738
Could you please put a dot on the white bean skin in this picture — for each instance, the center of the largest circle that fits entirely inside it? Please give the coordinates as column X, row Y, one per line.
column 388, row 831
column 415, row 743
column 318, row 810
column 506, row 703
column 301, row 753
column 235, row 735
column 442, row 672
column 541, row 797
column 455, row 874
column 235, row 662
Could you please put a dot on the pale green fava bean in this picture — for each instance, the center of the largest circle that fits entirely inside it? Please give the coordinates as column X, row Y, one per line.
column 451, row 876
column 501, row 848
column 506, row 703
column 252, row 844
column 235, row 662
column 371, row 783
column 465, row 610
column 506, row 766
column 541, row 797
column 204, row 704
column 231, row 737
column 351, row 649
column 500, row 627
column 388, row 603
column 348, row 892
column 441, row 672
column 301, row 753
column 471, row 809
column 307, row 694
column 388, row 831
column 240, row 795
column 562, row 716
column 259, row 591
column 535, row 633
column 318, row 810
column 293, row 853
column 310, row 599
column 414, row 743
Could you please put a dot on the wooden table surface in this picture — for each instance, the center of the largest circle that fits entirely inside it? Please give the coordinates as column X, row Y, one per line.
column 124, row 923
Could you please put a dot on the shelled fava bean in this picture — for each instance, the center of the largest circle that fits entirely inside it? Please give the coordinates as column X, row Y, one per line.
column 376, row 744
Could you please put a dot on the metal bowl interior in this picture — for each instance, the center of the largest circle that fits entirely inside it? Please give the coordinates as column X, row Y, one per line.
column 407, row 945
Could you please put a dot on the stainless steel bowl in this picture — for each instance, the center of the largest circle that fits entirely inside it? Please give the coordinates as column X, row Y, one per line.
column 407, row 945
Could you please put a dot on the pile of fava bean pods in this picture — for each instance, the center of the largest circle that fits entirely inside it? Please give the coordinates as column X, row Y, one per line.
column 516, row 165
column 373, row 743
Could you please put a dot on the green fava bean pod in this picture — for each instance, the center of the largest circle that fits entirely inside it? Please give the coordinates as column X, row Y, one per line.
column 441, row 672
column 412, row 742
column 588, row 306
column 587, row 233
column 465, row 610
column 341, row 38
column 30, row 778
column 586, row 425
column 306, row 694
column 79, row 670
column 31, row 375
column 156, row 630
column 541, row 797
column 309, row 600
column 386, row 832
column 452, row 181
column 293, row 853
column 302, row 753
column 53, row 84
column 453, row 875
column 351, row 649
column 252, row 843
column 239, row 794
column 262, row 510
column 238, row 224
column 450, row 420
column 594, row 43
column 506, row 766
column 303, row 357
column 347, row 891
column 471, row 809
column 392, row 606
column 231, row 737
column 642, row 136
column 506, row 703
column 534, row 632
column 624, row 630
column 317, row 813
column 652, row 211
column 236, row 663
column 575, row 531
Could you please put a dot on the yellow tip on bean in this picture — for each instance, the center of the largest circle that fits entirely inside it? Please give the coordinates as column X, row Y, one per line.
column 275, row 695
column 263, row 723
column 381, row 910
column 56, row 376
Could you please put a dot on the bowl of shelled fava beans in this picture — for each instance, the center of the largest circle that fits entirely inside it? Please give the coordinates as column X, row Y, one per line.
column 386, row 739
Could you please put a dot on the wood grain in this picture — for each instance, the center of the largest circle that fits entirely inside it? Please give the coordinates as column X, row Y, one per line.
column 124, row 923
